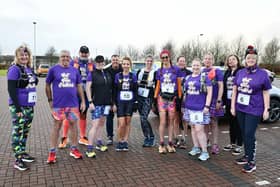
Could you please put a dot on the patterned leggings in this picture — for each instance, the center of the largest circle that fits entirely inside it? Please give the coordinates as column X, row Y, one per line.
column 21, row 126
column 144, row 107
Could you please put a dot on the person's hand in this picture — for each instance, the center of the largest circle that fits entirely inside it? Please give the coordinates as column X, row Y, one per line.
column 114, row 108
column 83, row 106
column 91, row 106
column 232, row 111
column 218, row 105
column 265, row 114
column 205, row 110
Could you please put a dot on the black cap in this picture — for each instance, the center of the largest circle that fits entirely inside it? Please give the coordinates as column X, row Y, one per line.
column 84, row 49
column 99, row 59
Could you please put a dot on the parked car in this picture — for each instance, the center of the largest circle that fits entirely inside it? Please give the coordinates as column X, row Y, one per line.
column 43, row 69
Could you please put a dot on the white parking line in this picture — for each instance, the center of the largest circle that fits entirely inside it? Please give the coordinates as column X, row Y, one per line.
column 261, row 183
column 278, row 178
column 275, row 127
column 263, row 129
column 165, row 136
column 224, row 132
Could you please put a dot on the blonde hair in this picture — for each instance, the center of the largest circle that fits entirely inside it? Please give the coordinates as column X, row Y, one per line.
column 25, row 49
column 210, row 54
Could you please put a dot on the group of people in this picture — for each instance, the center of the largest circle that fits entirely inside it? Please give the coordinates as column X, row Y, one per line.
column 183, row 97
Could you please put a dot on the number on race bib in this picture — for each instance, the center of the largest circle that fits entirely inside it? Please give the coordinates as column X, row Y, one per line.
column 32, row 97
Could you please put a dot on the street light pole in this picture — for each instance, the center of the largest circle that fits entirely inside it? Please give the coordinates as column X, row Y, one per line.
column 34, row 53
column 198, row 44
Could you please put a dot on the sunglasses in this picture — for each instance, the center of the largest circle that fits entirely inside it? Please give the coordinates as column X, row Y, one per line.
column 164, row 57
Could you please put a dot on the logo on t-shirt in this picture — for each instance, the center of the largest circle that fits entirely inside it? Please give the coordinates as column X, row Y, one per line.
column 31, row 80
column 191, row 88
column 244, row 86
column 65, row 81
column 167, row 85
column 125, row 84
column 230, row 82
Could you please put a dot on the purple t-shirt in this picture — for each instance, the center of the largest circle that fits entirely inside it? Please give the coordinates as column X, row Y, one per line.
column 64, row 86
column 218, row 77
column 195, row 99
column 250, row 87
column 168, row 79
column 26, row 96
column 126, row 85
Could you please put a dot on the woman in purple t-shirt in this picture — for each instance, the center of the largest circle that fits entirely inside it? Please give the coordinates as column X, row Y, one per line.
column 168, row 87
column 250, row 103
column 22, row 98
column 197, row 102
column 216, row 108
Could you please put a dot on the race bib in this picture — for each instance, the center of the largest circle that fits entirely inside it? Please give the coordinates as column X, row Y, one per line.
column 229, row 94
column 167, row 88
column 196, row 117
column 144, row 92
column 243, row 99
column 32, row 97
column 107, row 109
column 126, row 95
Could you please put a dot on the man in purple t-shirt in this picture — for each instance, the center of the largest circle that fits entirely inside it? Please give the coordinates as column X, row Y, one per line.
column 63, row 101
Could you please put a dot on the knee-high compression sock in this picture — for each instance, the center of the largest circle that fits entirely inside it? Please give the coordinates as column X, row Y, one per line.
column 83, row 126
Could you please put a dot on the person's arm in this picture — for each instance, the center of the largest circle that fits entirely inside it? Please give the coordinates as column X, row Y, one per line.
column 208, row 99
column 89, row 95
column 12, row 90
column 220, row 94
column 266, row 99
column 48, row 91
column 179, row 85
column 157, row 89
column 82, row 97
column 233, row 100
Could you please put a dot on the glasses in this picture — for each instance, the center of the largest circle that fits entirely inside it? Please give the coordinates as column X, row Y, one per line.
column 164, row 57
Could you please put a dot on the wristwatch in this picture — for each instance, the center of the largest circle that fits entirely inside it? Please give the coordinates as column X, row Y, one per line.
column 219, row 101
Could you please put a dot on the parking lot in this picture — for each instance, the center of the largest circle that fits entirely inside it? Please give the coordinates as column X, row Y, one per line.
column 137, row 167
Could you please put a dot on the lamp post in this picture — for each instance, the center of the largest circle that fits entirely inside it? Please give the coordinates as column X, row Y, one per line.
column 198, row 45
column 34, row 52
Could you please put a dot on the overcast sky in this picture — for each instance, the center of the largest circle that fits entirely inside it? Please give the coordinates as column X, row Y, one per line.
column 103, row 25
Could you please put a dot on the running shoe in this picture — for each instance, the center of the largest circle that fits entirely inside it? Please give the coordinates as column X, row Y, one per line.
column 171, row 148
column 83, row 141
column 204, row 156
column 162, row 149
column 110, row 140
column 63, row 143
column 241, row 161
column 249, row 167
column 152, row 142
column 215, row 149
column 76, row 153
column 237, row 151
column 27, row 158
column 20, row 165
column 101, row 147
column 125, row 146
column 90, row 154
column 229, row 147
column 146, row 142
column 119, row 146
column 51, row 158
column 195, row 151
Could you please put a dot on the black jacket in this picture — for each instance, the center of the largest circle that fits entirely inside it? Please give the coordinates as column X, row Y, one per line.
column 101, row 87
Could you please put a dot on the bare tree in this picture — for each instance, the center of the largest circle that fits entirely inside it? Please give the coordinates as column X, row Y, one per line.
column 219, row 48
column 238, row 47
column 149, row 50
column 170, row 46
column 258, row 45
column 51, row 55
column 271, row 53
column 120, row 51
column 132, row 52
column 187, row 51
